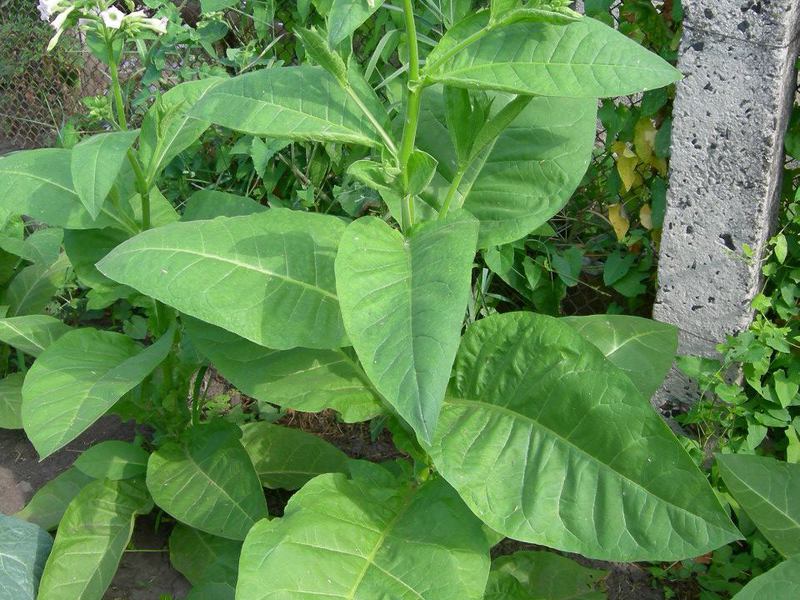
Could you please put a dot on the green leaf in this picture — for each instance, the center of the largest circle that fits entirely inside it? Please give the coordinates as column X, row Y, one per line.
column 643, row 348
column 33, row 288
column 208, row 482
column 78, row 379
column 113, row 460
column 91, row 539
column 779, row 583
column 280, row 261
column 295, row 103
column 769, row 492
column 86, row 247
column 208, row 6
column 209, row 204
column 288, row 458
column 551, row 576
column 502, row 586
column 51, row 500
column 168, row 129
column 212, row 591
column 96, row 162
column 11, row 401
column 204, row 558
column 24, row 548
column 31, row 333
column 348, row 15
column 524, row 177
column 321, row 53
column 360, row 539
column 584, row 59
column 301, row 379
column 42, row 246
column 403, row 302
column 549, row 443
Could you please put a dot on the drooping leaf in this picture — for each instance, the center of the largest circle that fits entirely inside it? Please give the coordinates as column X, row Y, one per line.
column 551, row 576
column 208, row 481
column 301, row 378
column 78, row 379
column 348, row 15
column 295, row 103
column 33, row 288
column 204, row 558
column 51, row 501
column 91, row 539
column 643, row 348
column 24, row 548
column 403, row 302
column 288, row 458
column 779, row 583
column 538, row 422
column 95, row 164
column 114, row 460
column 31, row 333
column 360, row 540
column 769, row 492
column 11, row 401
column 524, row 177
column 584, row 59
column 266, row 277
column 209, row 204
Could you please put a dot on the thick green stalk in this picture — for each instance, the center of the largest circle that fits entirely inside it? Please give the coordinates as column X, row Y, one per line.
column 412, row 111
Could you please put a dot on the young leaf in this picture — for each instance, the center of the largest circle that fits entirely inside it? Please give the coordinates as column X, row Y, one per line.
column 33, row 288
column 549, row 575
column 348, row 15
column 538, row 421
column 203, row 558
column 95, row 164
column 288, row 458
column 301, row 379
column 113, row 460
column 421, row 169
column 78, row 379
column 280, row 262
column 584, row 59
column 461, row 116
column 208, row 482
column 643, row 348
column 11, row 401
column 769, row 492
column 31, row 333
column 403, row 302
column 320, row 52
column 361, row 540
column 49, row 503
column 24, row 548
column 295, row 103
column 209, row 204
column 91, row 539
column 779, row 583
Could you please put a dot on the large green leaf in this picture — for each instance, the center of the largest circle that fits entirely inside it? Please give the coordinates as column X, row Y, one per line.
column 86, row 247
column 96, row 161
column 208, row 481
column 267, row 277
column 42, row 246
column 209, row 204
column 24, row 548
column 113, row 459
column 643, row 348
column 522, row 178
column 49, row 503
column 584, row 59
column 91, row 539
column 548, row 442
column 31, row 333
column 363, row 539
column 301, row 378
column 11, row 401
column 168, row 129
column 78, row 379
column 403, row 302
column 779, row 583
column 769, row 492
column 293, row 103
column 288, row 458
column 348, row 15
column 204, row 558
column 33, row 288
column 549, row 576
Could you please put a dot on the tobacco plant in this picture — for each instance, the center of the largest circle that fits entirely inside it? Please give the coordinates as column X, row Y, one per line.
column 526, row 427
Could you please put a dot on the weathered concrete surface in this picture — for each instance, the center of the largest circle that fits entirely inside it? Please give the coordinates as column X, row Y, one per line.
column 730, row 116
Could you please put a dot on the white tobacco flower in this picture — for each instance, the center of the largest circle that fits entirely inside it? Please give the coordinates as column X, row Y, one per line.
column 140, row 18
column 47, row 8
column 112, row 17
column 58, row 25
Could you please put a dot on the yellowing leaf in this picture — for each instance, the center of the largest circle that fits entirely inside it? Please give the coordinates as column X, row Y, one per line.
column 644, row 139
column 646, row 217
column 627, row 161
column 616, row 215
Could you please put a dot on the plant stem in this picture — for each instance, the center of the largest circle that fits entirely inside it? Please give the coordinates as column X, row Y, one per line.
column 198, row 384
column 412, row 112
column 21, row 362
column 451, row 192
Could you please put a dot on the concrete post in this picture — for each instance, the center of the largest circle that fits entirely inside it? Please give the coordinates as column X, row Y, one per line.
column 730, row 116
